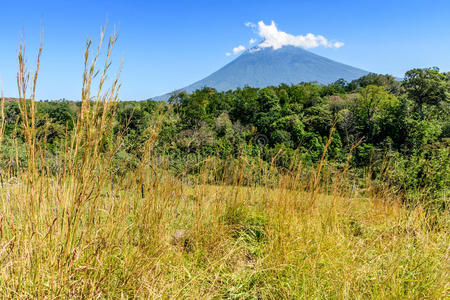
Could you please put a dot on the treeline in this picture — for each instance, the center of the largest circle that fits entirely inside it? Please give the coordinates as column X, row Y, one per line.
column 403, row 126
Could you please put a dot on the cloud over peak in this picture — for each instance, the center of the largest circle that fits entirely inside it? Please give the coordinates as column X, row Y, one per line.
column 275, row 38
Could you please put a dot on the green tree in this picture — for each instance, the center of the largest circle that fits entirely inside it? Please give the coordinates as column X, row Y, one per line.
column 194, row 108
column 387, row 81
column 426, row 86
column 373, row 101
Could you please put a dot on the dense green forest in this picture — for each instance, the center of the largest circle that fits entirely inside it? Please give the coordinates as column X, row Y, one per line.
column 398, row 132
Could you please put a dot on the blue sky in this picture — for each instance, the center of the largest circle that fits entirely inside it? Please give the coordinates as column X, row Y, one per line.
column 169, row 44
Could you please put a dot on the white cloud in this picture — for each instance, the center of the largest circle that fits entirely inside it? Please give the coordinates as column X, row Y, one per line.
column 250, row 24
column 338, row 44
column 272, row 37
column 276, row 39
column 236, row 50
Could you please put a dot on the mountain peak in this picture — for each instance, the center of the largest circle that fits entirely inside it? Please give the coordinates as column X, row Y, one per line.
column 264, row 66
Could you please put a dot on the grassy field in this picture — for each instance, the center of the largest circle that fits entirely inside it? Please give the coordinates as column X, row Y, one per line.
column 205, row 241
column 84, row 231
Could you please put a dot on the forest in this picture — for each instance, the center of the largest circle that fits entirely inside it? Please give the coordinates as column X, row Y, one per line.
column 398, row 128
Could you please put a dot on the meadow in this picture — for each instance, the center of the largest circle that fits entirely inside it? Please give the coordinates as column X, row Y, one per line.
column 82, row 223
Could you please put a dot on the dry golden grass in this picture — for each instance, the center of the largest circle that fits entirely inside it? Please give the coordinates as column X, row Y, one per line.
column 88, row 233
column 239, row 242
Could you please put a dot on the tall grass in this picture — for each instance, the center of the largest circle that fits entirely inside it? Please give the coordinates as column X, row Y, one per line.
column 88, row 232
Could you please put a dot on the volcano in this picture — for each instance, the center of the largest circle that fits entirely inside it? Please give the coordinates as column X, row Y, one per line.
column 262, row 67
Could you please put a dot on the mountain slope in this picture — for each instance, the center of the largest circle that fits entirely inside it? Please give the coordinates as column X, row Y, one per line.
column 261, row 67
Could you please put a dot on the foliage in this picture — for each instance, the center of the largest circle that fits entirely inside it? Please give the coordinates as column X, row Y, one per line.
column 292, row 121
column 426, row 86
